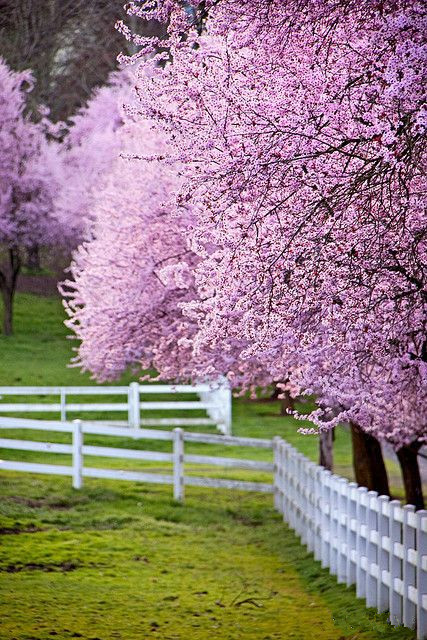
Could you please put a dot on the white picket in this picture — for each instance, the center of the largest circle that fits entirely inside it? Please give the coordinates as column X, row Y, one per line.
column 343, row 498
column 363, row 538
column 178, row 464
column 396, row 582
column 421, row 574
column 383, row 582
column 408, row 543
column 77, row 455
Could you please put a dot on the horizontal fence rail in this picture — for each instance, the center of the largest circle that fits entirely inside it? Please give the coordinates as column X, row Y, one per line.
column 214, row 399
column 364, row 539
column 78, row 450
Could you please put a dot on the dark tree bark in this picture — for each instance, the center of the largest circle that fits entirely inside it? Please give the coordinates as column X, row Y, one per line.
column 408, row 460
column 326, row 449
column 8, row 279
column 33, row 258
column 368, row 461
column 286, row 403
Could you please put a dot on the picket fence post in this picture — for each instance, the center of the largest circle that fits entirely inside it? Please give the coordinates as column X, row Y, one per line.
column 63, row 404
column 422, row 574
column 277, row 472
column 77, row 454
column 351, row 534
column 343, row 524
column 371, row 549
column 383, row 591
column 318, row 512
column 361, row 525
column 134, row 410
column 178, row 464
column 409, row 611
column 326, row 519
column 395, row 564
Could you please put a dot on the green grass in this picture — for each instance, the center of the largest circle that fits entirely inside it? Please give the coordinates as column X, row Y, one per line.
column 123, row 560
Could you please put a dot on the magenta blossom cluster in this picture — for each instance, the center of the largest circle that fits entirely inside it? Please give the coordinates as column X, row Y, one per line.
column 28, row 181
column 298, row 132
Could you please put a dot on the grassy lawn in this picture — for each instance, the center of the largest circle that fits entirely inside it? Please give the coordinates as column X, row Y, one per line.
column 123, row 560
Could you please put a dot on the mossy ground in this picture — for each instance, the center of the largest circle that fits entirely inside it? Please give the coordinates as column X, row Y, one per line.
column 121, row 560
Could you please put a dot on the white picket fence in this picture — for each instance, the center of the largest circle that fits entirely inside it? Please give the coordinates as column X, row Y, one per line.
column 215, row 399
column 364, row 539
column 78, row 450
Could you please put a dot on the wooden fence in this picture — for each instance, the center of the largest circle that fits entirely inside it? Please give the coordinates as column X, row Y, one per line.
column 215, row 399
column 364, row 539
column 178, row 458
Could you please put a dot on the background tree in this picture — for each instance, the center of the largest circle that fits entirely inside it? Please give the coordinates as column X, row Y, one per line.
column 27, row 186
column 70, row 45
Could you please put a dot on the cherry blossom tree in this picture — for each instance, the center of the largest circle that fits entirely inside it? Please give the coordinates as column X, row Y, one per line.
column 90, row 149
column 135, row 271
column 315, row 185
column 299, row 131
column 27, row 185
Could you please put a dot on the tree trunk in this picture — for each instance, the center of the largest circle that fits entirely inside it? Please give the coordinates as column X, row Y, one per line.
column 7, row 296
column 368, row 461
column 326, row 449
column 8, row 279
column 286, row 403
column 408, row 459
column 33, row 258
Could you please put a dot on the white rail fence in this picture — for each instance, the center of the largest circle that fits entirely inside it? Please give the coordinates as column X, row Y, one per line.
column 364, row 539
column 78, row 450
column 215, row 399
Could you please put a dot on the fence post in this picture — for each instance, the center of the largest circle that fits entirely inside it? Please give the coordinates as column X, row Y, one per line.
column 284, row 446
column 326, row 519
column 77, row 454
column 318, row 513
column 409, row 611
column 223, row 396
column 351, row 533
column 178, row 464
column 343, row 527
column 133, row 406
column 63, row 405
column 395, row 563
column 277, row 473
column 372, row 548
column 334, row 541
column 384, row 519
column 421, row 574
column 361, row 560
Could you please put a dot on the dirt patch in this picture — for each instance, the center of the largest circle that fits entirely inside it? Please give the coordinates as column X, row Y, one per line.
column 40, row 566
column 53, row 502
column 17, row 530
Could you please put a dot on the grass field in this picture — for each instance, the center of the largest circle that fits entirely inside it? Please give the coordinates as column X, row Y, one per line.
column 123, row 560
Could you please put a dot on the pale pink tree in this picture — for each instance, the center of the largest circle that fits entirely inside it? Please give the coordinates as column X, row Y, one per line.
column 299, row 130
column 27, row 185
column 312, row 187
column 90, row 149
